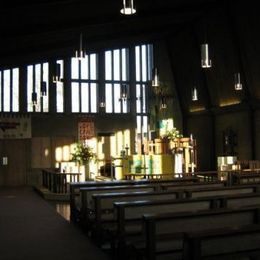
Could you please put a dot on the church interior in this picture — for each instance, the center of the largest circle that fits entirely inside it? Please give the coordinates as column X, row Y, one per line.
column 128, row 129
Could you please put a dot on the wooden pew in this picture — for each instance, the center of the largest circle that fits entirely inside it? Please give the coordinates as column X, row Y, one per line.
column 129, row 214
column 75, row 188
column 218, row 191
column 229, row 243
column 164, row 233
column 87, row 204
column 103, row 210
column 103, row 203
column 197, row 185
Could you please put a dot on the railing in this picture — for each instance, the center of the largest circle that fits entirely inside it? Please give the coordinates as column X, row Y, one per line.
column 205, row 176
column 244, row 176
column 58, row 182
column 230, row 177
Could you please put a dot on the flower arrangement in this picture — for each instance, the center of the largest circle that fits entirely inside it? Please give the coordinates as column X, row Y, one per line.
column 83, row 154
column 172, row 134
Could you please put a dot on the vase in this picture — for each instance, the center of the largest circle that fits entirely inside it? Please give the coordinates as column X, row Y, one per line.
column 87, row 171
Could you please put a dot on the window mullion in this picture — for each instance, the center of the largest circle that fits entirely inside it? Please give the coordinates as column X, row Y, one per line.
column 120, row 79
column 112, row 83
column 88, row 85
column 80, row 86
column 11, row 90
column 141, row 88
column 34, row 84
column 41, row 80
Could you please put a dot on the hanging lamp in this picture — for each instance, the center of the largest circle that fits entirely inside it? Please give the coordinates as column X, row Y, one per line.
column 238, row 84
column 43, row 88
column 128, row 7
column 57, row 77
column 80, row 53
column 163, row 104
column 102, row 102
column 124, row 92
column 194, row 94
column 34, row 98
column 205, row 58
column 155, row 81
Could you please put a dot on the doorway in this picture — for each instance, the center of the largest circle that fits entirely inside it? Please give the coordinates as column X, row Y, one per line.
column 13, row 170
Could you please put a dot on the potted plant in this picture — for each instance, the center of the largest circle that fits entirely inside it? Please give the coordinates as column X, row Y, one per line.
column 173, row 137
column 83, row 155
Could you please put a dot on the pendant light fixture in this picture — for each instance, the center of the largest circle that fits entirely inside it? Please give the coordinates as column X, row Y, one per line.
column 194, row 94
column 238, row 84
column 128, row 7
column 163, row 104
column 205, row 58
column 80, row 53
column 102, row 102
column 57, row 77
column 124, row 92
column 34, row 98
column 155, row 81
column 43, row 88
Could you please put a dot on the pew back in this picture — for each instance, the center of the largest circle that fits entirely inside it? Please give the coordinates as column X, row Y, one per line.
column 165, row 232
column 87, row 193
column 228, row 243
column 172, row 186
column 206, row 192
column 75, row 188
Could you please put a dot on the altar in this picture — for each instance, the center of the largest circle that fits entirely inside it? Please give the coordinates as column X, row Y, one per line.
column 162, row 157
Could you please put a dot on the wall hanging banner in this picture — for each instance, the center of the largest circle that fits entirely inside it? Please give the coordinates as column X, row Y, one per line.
column 15, row 126
column 85, row 129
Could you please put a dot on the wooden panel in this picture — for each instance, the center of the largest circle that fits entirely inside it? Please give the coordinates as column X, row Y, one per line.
column 61, row 149
column 1, row 166
column 41, row 152
column 15, row 172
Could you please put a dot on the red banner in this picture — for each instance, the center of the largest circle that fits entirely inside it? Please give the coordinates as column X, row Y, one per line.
column 85, row 130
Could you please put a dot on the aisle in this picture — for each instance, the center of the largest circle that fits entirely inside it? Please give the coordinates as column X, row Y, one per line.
column 30, row 228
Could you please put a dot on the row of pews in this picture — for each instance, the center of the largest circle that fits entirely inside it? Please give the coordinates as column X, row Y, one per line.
column 182, row 218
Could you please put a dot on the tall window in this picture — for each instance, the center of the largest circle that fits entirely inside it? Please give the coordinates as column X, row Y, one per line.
column 38, row 87
column 57, row 79
column 9, row 90
column 84, row 84
column 143, row 69
column 117, row 81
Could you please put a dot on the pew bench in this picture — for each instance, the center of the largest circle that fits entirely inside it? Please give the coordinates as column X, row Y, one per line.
column 103, row 211
column 86, row 207
column 173, row 186
column 129, row 214
column 224, row 244
column 103, row 203
column 125, row 212
column 164, row 233
column 218, row 191
column 75, row 188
